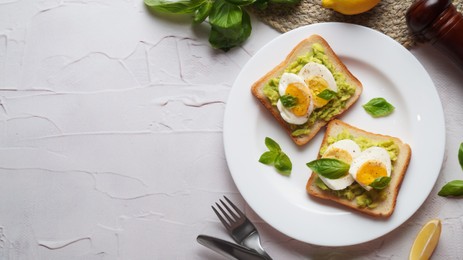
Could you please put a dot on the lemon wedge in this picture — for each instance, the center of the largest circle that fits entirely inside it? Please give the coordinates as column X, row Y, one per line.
column 426, row 240
column 350, row 7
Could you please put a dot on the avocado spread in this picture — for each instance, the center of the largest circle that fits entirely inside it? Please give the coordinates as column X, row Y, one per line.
column 332, row 108
column 362, row 197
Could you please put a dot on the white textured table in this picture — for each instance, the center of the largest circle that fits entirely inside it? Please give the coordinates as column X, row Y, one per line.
column 111, row 138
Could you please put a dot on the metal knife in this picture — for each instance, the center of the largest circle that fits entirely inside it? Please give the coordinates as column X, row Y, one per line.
column 228, row 249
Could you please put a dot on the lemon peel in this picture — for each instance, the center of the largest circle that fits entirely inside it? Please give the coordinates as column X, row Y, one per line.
column 426, row 240
column 350, row 7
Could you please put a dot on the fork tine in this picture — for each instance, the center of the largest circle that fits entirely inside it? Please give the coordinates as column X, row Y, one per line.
column 230, row 220
column 240, row 213
column 224, row 222
column 230, row 211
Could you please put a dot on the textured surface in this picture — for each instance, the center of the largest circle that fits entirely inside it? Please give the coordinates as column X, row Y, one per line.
column 111, row 138
column 387, row 17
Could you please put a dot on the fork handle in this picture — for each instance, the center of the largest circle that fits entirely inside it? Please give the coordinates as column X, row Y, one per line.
column 253, row 242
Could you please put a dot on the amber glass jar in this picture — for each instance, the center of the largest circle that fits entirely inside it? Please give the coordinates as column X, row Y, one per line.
column 438, row 22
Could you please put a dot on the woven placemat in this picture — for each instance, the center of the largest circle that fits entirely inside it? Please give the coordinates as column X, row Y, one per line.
column 387, row 17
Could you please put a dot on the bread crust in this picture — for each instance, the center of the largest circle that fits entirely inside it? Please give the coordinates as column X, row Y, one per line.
column 386, row 207
column 302, row 48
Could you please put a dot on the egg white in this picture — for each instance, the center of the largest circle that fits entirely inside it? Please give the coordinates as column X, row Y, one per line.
column 287, row 114
column 371, row 154
column 313, row 69
column 351, row 148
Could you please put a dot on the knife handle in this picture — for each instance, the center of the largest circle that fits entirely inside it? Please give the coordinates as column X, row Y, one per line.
column 228, row 249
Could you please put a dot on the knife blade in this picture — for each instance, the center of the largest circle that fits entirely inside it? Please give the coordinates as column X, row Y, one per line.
column 228, row 249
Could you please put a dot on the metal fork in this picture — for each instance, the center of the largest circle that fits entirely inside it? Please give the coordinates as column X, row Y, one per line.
column 239, row 227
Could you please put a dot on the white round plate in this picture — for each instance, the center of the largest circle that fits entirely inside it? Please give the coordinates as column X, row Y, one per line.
column 386, row 69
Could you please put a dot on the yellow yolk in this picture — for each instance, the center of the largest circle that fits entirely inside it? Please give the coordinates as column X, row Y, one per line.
column 369, row 171
column 317, row 84
column 303, row 99
column 339, row 154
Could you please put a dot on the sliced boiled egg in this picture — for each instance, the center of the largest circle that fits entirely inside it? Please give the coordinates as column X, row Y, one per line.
column 292, row 85
column 318, row 78
column 344, row 150
column 371, row 164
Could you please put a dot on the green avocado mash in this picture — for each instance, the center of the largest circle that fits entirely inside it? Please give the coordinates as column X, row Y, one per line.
column 362, row 197
column 345, row 90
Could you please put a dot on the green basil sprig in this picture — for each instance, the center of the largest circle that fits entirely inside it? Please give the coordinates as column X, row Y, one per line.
column 380, row 183
column 460, row 155
column 327, row 94
column 288, row 101
column 455, row 187
column 276, row 157
column 378, row 107
column 329, row 167
column 230, row 22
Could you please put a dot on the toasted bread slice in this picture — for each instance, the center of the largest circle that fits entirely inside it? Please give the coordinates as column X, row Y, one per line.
column 301, row 49
column 385, row 208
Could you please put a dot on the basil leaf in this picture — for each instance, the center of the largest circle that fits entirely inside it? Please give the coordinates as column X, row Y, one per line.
column 269, row 157
column 276, row 157
column 202, row 12
column 329, row 167
column 288, row 100
column 225, row 15
column 241, row 2
column 261, row 4
column 327, row 94
column 453, row 188
column 380, row 183
column 271, row 144
column 378, row 107
column 283, row 164
column 173, row 7
column 227, row 38
column 460, row 155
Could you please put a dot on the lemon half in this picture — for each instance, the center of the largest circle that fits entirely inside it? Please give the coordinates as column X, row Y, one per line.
column 426, row 240
column 350, row 7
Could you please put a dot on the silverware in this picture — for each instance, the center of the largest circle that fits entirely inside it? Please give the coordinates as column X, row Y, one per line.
column 239, row 227
column 228, row 249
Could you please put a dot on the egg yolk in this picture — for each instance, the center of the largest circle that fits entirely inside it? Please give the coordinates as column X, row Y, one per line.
column 297, row 90
column 339, row 154
column 369, row 171
column 316, row 85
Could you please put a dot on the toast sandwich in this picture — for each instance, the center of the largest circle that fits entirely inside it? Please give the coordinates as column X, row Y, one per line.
column 308, row 89
column 374, row 202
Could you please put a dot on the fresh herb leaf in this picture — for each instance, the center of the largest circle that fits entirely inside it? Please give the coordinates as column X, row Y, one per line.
column 227, row 38
column 327, row 94
column 276, row 157
column 288, row 101
column 329, row 167
column 241, row 2
column 174, row 7
column 283, row 164
column 225, row 15
column 460, row 156
column 269, row 157
column 230, row 24
column 202, row 12
column 380, row 183
column 261, row 4
column 272, row 145
column 378, row 107
column 453, row 188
